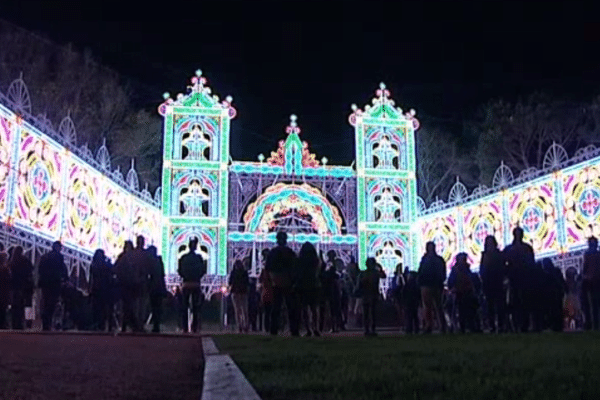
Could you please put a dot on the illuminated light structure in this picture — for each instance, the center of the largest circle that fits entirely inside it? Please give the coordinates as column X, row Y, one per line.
column 558, row 208
column 386, row 182
column 52, row 189
column 195, row 175
column 291, row 191
column 236, row 208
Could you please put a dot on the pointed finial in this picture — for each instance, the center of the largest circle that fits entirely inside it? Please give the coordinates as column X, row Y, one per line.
column 324, row 160
column 198, row 72
column 354, row 107
column 133, row 163
column 293, row 119
column 261, row 157
column 104, row 142
column 382, row 86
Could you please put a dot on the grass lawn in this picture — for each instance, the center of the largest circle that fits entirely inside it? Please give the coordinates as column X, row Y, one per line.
column 534, row 366
column 94, row 367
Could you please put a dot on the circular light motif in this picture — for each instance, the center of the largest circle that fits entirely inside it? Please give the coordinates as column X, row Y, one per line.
column 589, row 203
column 482, row 230
column 39, row 180
column 532, row 219
column 82, row 204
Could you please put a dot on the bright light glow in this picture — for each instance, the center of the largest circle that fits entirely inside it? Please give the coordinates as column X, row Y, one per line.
column 54, row 193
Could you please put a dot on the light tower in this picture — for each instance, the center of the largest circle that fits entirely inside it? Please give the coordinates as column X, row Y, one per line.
column 386, row 182
column 195, row 175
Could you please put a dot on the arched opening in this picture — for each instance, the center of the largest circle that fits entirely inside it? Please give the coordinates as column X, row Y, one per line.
column 294, row 209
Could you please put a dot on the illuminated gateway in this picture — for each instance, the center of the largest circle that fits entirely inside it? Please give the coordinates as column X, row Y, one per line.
column 53, row 188
column 236, row 208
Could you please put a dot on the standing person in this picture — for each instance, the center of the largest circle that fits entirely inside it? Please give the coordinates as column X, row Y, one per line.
column 253, row 305
column 266, row 292
column 52, row 276
column 101, row 290
column 461, row 283
column 308, row 285
column 520, row 261
column 280, row 266
column 432, row 274
column 572, row 300
column 369, row 289
column 323, row 311
column 142, row 267
column 191, row 269
column 332, row 292
column 238, row 287
column 353, row 272
column 556, row 288
column 21, row 283
column 591, row 284
column 4, row 288
column 178, row 305
column 397, row 288
column 411, row 296
column 126, row 278
column 493, row 273
column 157, row 288
column 343, row 308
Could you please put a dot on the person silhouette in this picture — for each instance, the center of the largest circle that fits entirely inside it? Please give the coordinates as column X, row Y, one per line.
column 520, row 261
column 432, row 275
column 53, row 275
column 191, row 269
column 280, row 266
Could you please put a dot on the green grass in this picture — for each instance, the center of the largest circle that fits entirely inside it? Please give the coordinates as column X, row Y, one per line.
column 535, row 366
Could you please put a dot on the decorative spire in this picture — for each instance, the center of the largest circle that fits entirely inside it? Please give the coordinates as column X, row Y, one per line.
column 293, row 126
column 295, row 148
column 199, row 95
column 383, row 107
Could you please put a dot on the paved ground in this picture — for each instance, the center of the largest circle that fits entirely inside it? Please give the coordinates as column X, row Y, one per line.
column 80, row 366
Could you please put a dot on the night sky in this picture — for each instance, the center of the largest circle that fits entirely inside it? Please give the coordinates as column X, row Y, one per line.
column 315, row 59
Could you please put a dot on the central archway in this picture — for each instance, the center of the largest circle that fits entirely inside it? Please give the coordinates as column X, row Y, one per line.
column 298, row 207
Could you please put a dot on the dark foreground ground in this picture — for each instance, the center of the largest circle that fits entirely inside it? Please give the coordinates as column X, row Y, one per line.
column 91, row 367
column 535, row 366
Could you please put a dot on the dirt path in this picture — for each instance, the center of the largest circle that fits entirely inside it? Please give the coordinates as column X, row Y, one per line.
column 59, row 366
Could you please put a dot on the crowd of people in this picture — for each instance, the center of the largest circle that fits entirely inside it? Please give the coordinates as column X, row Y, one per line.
column 121, row 296
column 511, row 292
column 316, row 293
